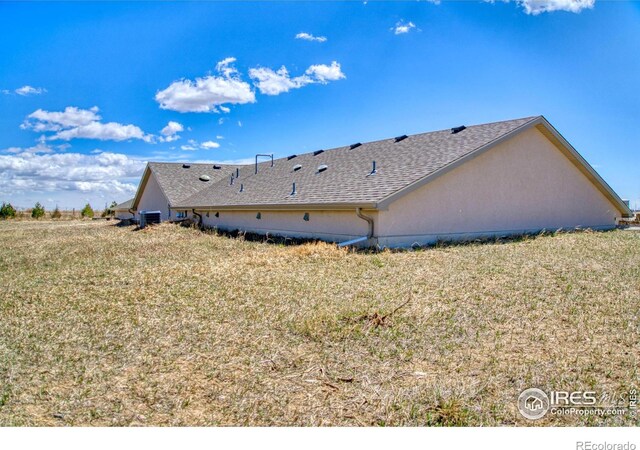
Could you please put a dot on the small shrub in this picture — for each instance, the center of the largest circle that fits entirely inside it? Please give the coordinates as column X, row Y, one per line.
column 87, row 211
column 56, row 214
column 38, row 211
column 7, row 211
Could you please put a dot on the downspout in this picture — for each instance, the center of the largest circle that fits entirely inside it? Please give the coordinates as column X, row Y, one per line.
column 362, row 238
column 200, row 224
column 369, row 221
column 132, row 212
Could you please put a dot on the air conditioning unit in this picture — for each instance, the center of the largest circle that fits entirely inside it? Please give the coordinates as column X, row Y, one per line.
column 149, row 217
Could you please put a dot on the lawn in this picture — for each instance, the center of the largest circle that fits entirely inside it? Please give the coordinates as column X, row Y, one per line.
column 106, row 325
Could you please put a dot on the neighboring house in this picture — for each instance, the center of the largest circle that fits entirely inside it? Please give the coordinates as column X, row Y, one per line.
column 123, row 210
column 511, row 177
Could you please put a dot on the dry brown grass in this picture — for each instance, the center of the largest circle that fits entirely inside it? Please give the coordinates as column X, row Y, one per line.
column 101, row 325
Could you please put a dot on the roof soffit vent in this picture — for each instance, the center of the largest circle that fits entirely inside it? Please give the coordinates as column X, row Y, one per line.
column 322, row 168
column 401, row 138
column 356, row 145
column 297, row 167
column 457, row 130
column 205, row 177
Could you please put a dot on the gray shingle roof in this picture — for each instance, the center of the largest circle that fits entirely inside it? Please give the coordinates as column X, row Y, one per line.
column 124, row 206
column 346, row 180
column 178, row 182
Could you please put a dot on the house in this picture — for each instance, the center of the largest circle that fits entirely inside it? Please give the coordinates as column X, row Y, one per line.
column 511, row 177
column 123, row 211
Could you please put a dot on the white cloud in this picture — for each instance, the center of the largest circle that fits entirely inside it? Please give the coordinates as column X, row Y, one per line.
column 275, row 82
column 75, row 123
column 170, row 132
column 24, row 173
column 42, row 120
column 403, row 27
column 535, row 7
column 25, row 90
column 207, row 94
column 111, row 131
column 310, row 37
column 193, row 145
column 30, row 90
column 323, row 73
column 209, row 145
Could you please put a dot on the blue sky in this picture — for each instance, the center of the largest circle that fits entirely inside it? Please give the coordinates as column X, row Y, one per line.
column 88, row 88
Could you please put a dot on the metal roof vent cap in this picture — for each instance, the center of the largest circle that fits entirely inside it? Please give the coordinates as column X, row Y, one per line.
column 205, row 177
column 356, row 145
column 373, row 169
column 401, row 138
column 186, row 166
column 317, row 152
column 457, row 130
column 217, row 167
column 322, row 168
column 297, row 167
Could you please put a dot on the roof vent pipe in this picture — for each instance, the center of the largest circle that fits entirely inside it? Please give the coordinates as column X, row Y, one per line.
column 266, row 156
column 237, row 172
column 373, row 169
column 293, row 190
column 231, row 180
column 241, row 187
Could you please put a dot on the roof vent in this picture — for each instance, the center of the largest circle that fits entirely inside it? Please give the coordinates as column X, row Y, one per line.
column 356, row 145
column 317, row 152
column 237, row 172
column 457, row 130
column 217, row 167
column 289, row 158
column 401, row 138
column 231, row 180
column 297, row 167
column 373, row 169
column 293, row 190
column 186, row 166
column 241, row 187
column 322, row 168
column 205, row 177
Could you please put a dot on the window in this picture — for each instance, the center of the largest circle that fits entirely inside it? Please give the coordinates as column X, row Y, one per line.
column 181, row 215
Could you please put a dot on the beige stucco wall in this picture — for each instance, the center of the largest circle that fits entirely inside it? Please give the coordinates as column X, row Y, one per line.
column 523, row 184
column 153, row 199
column 334, row 226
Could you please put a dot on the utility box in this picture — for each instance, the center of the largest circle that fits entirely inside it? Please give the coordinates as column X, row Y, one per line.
column 149, row 218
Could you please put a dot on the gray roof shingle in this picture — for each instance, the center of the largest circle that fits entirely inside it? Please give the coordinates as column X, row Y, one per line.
column 346, row 180
column 178, row 182
column 124, row 206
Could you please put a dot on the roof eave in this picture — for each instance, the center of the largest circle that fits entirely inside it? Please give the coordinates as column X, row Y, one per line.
column 279, row 207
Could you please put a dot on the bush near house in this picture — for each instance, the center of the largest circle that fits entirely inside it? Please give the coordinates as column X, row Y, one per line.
column 87, row 211
column 38, row 211
column 7, row 211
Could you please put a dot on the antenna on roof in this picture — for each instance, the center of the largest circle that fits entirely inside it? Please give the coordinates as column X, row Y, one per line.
column 457, row 130
column 356, row 145
column 401, row 138
column 293, row 191
column 266, row 156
